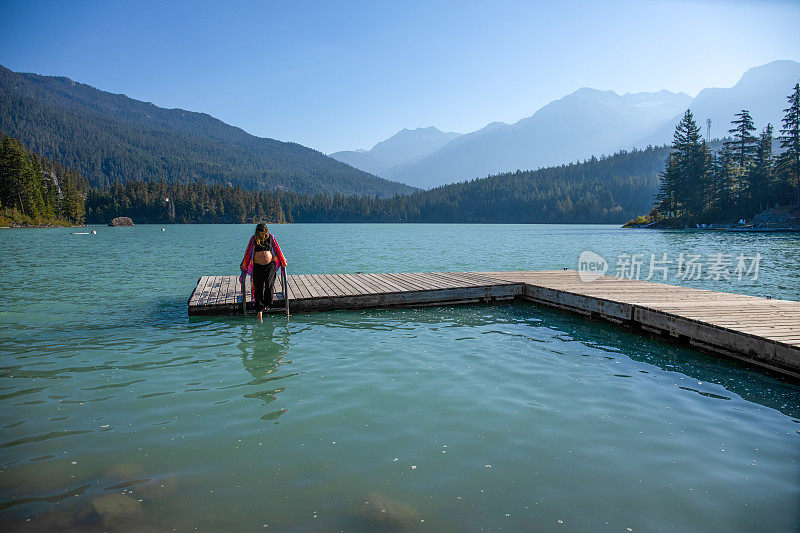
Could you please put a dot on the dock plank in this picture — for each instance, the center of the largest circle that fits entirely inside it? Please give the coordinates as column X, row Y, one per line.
column 382, row 280
column 227, row 297
column 408, row 282
column 378, row 284
column 335, row 285
column 316, row 287
column 350, row 283
column 301, row 290
column 421, row 282
column 323, row 289
column 294, row 290
column 440, row 280
column 425, row 281
column 330, row 289
column 357, row 280
column 310, row 290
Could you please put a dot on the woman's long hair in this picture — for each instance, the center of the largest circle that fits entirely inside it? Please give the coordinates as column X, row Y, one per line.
column 262, row 234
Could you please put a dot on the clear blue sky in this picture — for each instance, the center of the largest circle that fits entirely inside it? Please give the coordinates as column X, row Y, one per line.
column 343, row 75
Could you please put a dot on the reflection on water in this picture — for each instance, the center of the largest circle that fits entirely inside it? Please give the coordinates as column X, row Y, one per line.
column 504, row 416
column 264, row 349
column 749, row 382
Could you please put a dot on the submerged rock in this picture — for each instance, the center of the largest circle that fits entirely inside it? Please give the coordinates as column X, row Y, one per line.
column 124, row 471
column 157, row 488
column 62, row 520
column 385, row 513
column 114, row 512
column 121, row 221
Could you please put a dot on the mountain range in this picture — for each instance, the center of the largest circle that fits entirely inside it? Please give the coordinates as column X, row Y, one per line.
column 110, row 138
column 585, row 123
column 761, row 90
column 404, row 146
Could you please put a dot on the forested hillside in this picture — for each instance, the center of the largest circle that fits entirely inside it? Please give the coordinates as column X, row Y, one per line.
column 157, row 202
column 35, row 191
column 608, row 190
column 111, row 139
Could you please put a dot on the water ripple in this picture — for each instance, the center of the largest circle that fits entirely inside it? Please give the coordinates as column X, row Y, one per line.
column 46, row 436
column 49, row 499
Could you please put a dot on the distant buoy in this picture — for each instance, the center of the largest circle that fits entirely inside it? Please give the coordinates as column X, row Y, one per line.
column 162, row 229
column 94, row 232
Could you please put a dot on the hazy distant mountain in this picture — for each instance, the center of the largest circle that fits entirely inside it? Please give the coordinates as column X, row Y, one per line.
column 761, row 90
column 405, row 146
column 584, row 123
column 590, row 122
column 111, row 138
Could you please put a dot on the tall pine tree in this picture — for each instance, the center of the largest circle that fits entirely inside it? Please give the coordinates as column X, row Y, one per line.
column 743, row 147
column 723, row 179
column 789, row 160
column 685, row 186
column 744, row 143
column 21, row 185
column 759, row 178
column 667, row 196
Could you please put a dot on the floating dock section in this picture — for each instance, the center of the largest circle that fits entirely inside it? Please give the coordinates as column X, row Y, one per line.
column 757, row 330
column 219, row 295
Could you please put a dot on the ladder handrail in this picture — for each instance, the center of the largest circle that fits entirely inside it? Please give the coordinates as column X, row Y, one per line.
column 284, row 286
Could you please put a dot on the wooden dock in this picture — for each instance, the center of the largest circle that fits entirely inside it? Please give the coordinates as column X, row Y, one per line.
column 219, row 295
column 758, row 330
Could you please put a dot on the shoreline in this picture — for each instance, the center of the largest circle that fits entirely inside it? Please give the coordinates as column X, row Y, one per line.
column 778, row 219
column 791, row 229
column 42, row 226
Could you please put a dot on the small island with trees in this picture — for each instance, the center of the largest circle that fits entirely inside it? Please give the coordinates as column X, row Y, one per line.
column 741, row 186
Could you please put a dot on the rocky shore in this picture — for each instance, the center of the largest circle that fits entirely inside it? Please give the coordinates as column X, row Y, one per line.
column 121, row 221
column 779, row 219
column 18, row 225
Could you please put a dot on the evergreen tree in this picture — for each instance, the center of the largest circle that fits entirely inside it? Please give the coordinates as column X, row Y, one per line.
column 789, row 160
column 744, row 143
column 743, row 147
column 21, row 185
column 723, row 183
column 759, row 178
column 35, row 191
column 72, row 204
column 685, row 187
column 666, row 198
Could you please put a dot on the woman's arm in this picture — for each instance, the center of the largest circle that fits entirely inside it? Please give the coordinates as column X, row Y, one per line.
column 280, row 260
column 248, row 255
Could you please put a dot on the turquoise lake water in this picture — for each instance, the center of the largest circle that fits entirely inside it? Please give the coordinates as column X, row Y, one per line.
column 463, row 418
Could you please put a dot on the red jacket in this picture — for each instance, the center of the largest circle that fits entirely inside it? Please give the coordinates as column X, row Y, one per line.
column 280, row 260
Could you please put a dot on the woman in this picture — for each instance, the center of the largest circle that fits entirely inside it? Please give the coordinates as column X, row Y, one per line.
column 261, row 260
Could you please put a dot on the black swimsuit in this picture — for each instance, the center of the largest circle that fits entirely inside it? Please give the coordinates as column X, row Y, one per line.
column 263, row 278
column 263, row 248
